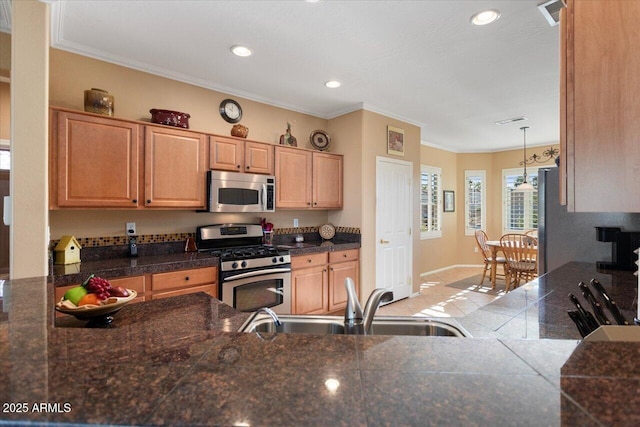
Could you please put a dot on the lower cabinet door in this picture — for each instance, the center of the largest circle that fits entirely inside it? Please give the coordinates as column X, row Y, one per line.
column 309, row 289
column 337, row 291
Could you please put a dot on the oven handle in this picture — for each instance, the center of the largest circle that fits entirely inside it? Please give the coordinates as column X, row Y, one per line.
column 264, row 197
column 256, row 273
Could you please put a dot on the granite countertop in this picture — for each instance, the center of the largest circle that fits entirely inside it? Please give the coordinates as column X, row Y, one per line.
column 177, row 361
column 113, row 267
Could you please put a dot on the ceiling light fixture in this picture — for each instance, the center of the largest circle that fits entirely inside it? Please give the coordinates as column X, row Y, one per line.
column 332, row 84
column 507, row 121
column 525, row 186
column 241, row 50
column 485, row 17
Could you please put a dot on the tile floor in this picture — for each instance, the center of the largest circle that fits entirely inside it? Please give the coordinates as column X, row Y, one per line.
column 438, row 300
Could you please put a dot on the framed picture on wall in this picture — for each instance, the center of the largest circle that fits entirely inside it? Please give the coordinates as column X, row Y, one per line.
column 395, row 141
column 449, row 201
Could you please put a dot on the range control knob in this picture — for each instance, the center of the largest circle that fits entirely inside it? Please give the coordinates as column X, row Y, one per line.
column 234, row 265
column 274, row 259
column 281, row 259
column 243, row 264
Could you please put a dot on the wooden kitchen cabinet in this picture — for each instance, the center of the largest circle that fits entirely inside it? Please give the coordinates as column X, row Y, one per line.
column 307, row 179
column 183, row 282
column 94, row 161
column 309, row 284
column 239, row 155
column 342, row 264
column 599, row 147
column 317, row 281
column 175, row 168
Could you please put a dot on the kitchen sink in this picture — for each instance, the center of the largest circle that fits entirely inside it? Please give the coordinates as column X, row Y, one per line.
column 330, row 325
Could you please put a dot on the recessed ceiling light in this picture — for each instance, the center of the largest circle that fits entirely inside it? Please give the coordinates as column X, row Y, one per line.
column 241, row 50
column 485, row 17
column 332, row 84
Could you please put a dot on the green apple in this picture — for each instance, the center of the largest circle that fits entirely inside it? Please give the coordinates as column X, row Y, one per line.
column 74, row 294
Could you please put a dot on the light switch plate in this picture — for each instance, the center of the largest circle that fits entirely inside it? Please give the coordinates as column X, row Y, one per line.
column 295, row 222
column 131, row 229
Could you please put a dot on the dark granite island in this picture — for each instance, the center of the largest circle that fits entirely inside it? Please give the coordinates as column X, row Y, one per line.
column 177, row 361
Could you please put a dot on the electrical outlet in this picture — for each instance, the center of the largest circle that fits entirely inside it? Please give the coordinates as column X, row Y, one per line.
column 131, row 229
column 295, row 222
column 475, row 249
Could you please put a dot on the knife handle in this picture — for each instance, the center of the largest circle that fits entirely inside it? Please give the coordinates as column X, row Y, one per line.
column 587, row 317
column 595, row 304
column 609, row 303
column 582, row 328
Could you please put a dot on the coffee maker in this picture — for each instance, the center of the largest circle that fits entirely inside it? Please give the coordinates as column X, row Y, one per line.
column 623, row 245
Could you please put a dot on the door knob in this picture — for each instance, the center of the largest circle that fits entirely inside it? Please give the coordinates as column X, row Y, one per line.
column 383, row 241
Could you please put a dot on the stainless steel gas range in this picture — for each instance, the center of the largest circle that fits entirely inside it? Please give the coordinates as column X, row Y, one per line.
column 251, row 275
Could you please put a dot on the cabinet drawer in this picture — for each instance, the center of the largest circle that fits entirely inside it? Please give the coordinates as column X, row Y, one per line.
column 208, row 289
column 342, row 256
column 309, row 260
column 183, row 278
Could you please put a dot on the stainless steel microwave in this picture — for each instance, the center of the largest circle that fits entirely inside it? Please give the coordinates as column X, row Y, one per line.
column 240, row 192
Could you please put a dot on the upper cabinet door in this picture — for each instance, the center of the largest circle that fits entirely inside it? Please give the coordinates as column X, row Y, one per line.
column 293, row 178
column 94, row 161
column 175, row 168
column 226, row 154
column 600, row 87
column 258, row 158
column 327, row 181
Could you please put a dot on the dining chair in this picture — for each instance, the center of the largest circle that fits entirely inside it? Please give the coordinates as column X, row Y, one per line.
column 521, row 252
column 532, row 233
column 481, row 239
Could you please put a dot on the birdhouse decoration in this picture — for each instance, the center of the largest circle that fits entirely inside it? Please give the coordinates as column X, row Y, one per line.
column 67, row 251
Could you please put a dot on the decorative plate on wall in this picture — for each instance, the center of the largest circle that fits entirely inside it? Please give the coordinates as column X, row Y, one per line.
column 320, row 140
column 327, row 231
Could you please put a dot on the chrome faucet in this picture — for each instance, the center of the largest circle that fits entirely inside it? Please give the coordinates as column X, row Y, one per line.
column 355, row 320
column 267, row 310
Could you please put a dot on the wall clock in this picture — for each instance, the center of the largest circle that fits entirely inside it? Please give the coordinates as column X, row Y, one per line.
column 230, row 111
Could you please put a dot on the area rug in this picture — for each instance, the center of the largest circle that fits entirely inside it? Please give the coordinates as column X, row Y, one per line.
column 473, row 284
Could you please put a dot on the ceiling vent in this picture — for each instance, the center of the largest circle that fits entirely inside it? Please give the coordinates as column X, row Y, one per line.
column 551, row 11
column 513, row 120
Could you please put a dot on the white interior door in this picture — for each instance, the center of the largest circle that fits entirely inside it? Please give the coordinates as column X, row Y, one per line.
column 393, row 226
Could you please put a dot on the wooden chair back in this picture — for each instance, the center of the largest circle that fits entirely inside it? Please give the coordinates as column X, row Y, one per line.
column 481, row 239
column 520, row 250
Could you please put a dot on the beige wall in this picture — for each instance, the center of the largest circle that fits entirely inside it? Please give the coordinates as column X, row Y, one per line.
column 5, row 55
column 454, row 247
column 135, row 94
column 374, row 144
column 5, row 108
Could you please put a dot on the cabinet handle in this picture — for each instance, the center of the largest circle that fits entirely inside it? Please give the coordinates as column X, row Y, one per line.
column 135, row 200
column 148, row 201
column 308, row 203
column 383, row 241
column 238, row 166
column 186, row 278
column 308, row 259
column 344, row 255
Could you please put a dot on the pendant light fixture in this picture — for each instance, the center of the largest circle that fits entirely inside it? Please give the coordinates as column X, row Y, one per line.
column 525, row 186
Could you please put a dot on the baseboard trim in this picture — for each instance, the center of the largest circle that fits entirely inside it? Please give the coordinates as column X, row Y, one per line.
column 450, row 267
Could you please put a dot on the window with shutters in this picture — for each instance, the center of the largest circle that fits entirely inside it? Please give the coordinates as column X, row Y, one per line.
column 430, row 202
column 474, row 201
column 519, row 208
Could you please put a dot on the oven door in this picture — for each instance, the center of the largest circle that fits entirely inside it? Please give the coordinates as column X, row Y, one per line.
column 249, row 291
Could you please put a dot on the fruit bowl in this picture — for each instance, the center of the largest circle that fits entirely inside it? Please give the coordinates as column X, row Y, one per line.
column 98, row 314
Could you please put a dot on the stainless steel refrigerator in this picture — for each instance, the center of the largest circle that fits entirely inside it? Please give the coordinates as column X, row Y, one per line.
column 571, row 236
